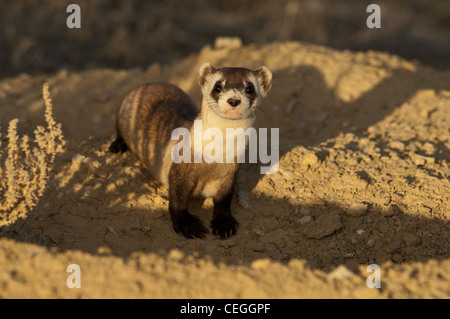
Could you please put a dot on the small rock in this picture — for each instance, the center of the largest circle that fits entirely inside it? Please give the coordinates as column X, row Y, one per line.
column 244, row 200
column 422, row 160
column 428, row 148
column 370, row 243
column 412, row 147
column 418, row 160
column 78, row 158
column 259, row 248
column 360, row 231
column 228, row 243
column 304, row 220
column 260, row 231
column 353, row 161
column 280, row 257
column 287, row 173
column 397, row 145
column 309, row 159
column 349, row 254
column 325, row 225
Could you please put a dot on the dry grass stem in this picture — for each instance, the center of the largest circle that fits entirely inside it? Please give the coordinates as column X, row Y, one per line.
column 24, row 172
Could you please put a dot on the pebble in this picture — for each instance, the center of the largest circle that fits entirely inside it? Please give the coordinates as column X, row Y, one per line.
column 353, row 161
column 228, row 243
column 259, row 248
column 360, row 231
column 260, row 231
column 412, row 147
column 304, row 220
column 397, row 145
column 287, row 173
column 429, row 148
column 78, row 158
column 280, row 257
column 349, row 254
column 309, row 159
column 370, row 243
column 323, row 226
column 422, row 160
column 244, row 200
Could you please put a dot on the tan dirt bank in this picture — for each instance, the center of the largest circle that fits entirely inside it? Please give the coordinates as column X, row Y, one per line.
column 364, row 179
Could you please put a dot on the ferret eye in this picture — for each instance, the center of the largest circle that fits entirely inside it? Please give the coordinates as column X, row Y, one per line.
column 217, row 88
column 250, row 89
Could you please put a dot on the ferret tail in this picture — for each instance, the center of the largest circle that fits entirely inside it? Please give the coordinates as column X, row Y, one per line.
column 118, row 145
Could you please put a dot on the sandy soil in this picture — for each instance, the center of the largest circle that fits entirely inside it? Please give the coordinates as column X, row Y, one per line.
column 364, row 179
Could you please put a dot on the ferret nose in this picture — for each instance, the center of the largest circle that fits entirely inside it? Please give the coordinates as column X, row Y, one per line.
column 234, row 102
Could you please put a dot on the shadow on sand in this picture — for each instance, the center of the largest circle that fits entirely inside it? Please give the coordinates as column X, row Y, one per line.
column 86, row 215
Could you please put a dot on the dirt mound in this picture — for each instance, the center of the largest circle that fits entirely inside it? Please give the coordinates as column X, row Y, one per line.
column 363, row 179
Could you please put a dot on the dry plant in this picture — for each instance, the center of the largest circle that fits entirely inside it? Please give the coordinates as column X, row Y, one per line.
column 24, row 172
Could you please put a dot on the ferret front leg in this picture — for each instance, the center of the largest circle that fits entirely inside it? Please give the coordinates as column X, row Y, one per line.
column 223, row 223
column 180, row 191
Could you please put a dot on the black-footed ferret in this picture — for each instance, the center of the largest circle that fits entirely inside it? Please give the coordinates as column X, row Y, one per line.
column 150, row 113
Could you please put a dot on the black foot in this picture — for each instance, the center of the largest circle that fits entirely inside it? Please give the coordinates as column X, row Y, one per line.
column 188, row 225
column 118, row 145
column 224, row 226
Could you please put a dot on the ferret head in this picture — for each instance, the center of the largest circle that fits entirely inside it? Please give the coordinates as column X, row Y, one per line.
column 234, row 93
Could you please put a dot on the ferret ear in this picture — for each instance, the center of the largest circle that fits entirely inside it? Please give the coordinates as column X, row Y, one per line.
column 205, row 70
column 264, row 76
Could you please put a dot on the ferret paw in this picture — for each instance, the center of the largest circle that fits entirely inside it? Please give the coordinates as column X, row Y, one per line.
column 189, row 226
column 224, row 226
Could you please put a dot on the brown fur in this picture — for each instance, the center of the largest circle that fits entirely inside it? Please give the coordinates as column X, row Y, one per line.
column 145, row 121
